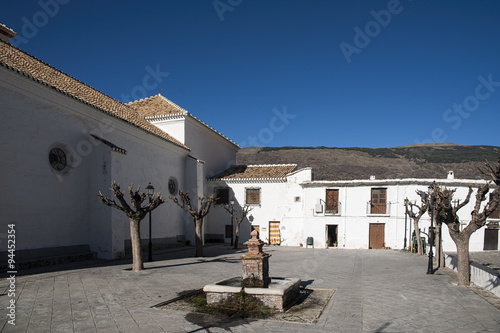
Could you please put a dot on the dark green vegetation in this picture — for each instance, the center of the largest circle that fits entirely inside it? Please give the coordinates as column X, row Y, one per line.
column 240, row 305
column 417, row 161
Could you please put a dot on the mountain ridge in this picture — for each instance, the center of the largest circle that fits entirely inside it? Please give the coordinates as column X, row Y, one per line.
column 413, row 161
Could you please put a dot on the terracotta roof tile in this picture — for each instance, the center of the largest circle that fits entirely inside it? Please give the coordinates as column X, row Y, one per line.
column 265, row 171
column 159, row 107
column 26, row 64
column 156, row 106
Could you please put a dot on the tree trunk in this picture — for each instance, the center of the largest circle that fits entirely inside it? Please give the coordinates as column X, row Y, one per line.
column 135, row 237
column 463, row 269
column 199, row 242
column 420, row 248
column 236, row 236
column 439, row 245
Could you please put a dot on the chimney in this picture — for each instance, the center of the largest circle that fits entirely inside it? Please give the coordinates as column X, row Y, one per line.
column 372, row 177
column 450, row 175
column 6, row 33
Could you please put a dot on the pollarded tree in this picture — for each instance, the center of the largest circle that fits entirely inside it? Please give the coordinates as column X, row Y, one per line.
column 135, row 214
column 239, row 215
column 424, row 206
column 447, row 213
column 198, row 215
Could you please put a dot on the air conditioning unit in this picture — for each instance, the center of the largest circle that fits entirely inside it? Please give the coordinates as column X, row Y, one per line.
column 318, row 208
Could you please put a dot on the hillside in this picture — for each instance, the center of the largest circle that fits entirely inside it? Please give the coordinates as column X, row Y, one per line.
column 416, row 161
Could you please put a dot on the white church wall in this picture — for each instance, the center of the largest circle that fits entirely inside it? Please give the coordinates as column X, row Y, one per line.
column 62, row 209
column 217, row 152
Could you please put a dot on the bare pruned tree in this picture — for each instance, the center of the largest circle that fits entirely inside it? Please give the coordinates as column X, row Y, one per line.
column 239, row 215
column 135, row 214
column 421, row 210
column 447, row 213
column 198, row 215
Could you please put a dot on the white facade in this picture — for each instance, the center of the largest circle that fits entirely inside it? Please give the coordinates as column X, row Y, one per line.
column 299, row 205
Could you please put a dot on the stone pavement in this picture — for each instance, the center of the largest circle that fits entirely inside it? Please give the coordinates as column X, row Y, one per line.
column 376, row 291
column 490, row 259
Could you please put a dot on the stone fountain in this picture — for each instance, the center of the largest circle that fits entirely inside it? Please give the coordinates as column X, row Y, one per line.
column 278, row 293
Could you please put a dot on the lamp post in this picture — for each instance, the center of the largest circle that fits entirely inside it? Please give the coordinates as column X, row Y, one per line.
column 232, row 211
column 430, row 267
column 150, row 190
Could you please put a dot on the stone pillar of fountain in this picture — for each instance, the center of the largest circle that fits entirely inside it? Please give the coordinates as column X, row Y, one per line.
column 255, row 264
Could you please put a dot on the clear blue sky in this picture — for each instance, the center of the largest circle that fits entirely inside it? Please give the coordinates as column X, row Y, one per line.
column 287, row 73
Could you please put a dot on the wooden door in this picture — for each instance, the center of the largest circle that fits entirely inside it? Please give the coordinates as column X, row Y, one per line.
column 490, row 239
column 332, row 201
column 377, row 235
column 378, row 201
column 274, row 233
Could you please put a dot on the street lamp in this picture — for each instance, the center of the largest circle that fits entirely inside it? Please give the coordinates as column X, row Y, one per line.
column 232, row 211
column 150, row 190
column 430, row 266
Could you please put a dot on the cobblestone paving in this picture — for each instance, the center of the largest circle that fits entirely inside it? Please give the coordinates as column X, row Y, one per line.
column 376, row 291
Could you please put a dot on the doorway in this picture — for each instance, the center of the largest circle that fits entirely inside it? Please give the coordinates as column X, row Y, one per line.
column 377, row 236
column 490, row 239
column 332, row 235
column 274, row 233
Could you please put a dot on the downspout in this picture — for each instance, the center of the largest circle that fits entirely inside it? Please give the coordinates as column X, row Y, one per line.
column 345, row 215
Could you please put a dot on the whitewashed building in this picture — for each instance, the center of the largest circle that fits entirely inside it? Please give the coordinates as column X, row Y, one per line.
column 292, row 209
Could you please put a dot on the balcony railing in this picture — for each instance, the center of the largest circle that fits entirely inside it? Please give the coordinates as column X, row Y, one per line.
column 372, row 209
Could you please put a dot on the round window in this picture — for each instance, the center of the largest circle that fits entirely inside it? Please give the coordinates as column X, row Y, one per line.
column 172, row 186
column 58, row 159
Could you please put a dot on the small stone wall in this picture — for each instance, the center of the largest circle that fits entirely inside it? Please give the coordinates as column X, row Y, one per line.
column 278, row 297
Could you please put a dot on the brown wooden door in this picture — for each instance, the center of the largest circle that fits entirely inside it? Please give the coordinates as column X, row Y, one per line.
column 332, row 202
column 490, row 239
column 377, row 235
column 274, row 233
column 378, row 201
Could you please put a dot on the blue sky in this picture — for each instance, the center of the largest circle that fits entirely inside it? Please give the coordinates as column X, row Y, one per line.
column 287, row 73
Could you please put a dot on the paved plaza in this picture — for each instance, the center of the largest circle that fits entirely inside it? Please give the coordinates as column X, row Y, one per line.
column 376, row 291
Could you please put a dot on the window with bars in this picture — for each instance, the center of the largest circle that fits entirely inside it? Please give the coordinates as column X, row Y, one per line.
column 378, row 203
column 332, row 201
column 252, row 196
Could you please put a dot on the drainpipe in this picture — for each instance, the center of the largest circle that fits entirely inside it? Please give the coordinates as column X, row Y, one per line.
column 345, row 215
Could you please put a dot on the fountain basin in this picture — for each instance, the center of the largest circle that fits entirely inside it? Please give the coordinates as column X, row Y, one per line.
column 281, row 292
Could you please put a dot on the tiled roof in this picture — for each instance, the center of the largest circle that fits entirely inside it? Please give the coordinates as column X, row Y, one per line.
column 264, row 171
column 25, row 64
column 156, row 106
column 7, row 31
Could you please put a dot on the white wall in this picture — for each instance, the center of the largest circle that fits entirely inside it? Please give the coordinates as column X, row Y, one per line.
column 293, row 204
column 53, row 210
column 216, row 151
